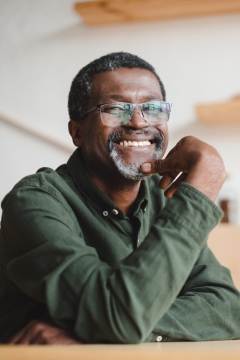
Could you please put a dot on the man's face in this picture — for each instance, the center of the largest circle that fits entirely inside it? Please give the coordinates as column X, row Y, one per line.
column 102, row 145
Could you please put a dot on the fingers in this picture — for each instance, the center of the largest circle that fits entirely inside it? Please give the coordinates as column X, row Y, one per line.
column 167, row 179
column 15, row 339
column 28, row 334
column 201, row 163
column 171, row 190
column 172, row 163
column 21, row 336
column 176, row 159
column 161, row 166
column 54, row 337
column 169, row 168
column 38, row 332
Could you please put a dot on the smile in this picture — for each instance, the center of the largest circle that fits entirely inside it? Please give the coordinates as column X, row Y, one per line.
column 135, row 143
column 141, row 140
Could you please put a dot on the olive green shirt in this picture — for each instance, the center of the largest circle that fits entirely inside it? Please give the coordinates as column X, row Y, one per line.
column 69, row 254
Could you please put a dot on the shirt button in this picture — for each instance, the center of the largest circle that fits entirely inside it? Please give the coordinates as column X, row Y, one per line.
column 105, row 213
column 115, row 212
column 138, row 240
column 159, row 338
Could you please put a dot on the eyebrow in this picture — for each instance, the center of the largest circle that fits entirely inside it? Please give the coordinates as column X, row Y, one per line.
column 122, row 97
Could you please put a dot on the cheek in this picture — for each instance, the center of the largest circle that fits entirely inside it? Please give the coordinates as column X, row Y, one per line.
column 95, row 134
column 163, row 130
column 165, row 140
column 98, row 141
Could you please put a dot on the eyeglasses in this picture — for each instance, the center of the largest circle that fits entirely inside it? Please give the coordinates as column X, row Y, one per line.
column 120, row 113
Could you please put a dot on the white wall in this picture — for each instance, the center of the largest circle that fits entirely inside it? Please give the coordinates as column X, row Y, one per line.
column 44, row 43
column 22, row 155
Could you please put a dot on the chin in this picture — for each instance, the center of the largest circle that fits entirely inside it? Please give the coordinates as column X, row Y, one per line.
column 132, row 170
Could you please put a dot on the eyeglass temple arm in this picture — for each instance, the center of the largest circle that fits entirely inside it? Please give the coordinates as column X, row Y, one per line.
column 95, row 107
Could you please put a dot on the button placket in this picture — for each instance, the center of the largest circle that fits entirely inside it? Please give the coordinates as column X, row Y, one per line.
column 139, row 216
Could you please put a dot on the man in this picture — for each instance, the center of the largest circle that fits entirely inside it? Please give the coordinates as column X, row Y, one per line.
column 93, row 250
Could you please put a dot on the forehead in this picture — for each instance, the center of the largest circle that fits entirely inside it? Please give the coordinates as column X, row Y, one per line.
column 123, row 81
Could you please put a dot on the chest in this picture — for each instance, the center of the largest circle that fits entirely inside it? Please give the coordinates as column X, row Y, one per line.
column 114, row 237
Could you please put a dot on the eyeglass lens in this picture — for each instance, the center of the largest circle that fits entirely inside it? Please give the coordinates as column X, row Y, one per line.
column 116, row 114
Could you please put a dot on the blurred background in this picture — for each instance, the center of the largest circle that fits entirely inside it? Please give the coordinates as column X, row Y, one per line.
column 44, row 43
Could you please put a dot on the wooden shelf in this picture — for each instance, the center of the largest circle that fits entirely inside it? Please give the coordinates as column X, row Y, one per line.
column 122, row 11
column 225, row 112
column 224, row 241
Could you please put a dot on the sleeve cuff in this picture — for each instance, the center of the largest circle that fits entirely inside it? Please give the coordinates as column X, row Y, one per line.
column 192, row 210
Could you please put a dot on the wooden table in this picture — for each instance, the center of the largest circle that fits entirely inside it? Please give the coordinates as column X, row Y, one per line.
column 212, row 350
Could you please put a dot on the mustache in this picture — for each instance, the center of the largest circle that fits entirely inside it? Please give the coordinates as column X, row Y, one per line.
column 115, row 135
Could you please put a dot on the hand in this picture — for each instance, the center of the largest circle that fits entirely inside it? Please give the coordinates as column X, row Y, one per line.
column 39, row 332
column 195, row 162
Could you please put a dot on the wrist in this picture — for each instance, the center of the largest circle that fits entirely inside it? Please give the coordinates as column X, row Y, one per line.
column 208, row 179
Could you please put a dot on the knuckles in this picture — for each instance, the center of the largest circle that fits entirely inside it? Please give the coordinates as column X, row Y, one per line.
column 40, row 332
column 37, row 326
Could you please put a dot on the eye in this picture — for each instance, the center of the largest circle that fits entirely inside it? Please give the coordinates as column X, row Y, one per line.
column 114, row 109
column 153, row 108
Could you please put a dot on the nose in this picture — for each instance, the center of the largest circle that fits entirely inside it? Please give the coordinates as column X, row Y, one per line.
column 137, row 120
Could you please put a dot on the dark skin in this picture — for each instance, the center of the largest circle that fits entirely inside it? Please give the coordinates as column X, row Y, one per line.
column 200, row 164
column 43, row 333
column 126, row 85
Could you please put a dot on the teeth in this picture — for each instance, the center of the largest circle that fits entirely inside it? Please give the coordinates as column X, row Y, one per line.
column 135, row 143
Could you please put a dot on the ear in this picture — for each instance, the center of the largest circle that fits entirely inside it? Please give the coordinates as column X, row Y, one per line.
column 74, row 131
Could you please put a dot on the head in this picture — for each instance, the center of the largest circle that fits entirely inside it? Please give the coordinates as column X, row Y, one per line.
column 121, row 77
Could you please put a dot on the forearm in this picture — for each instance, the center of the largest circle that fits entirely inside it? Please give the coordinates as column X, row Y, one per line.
column 207, row 307
column 121, row 305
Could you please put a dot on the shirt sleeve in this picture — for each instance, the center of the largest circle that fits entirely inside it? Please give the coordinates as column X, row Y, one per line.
column 48, row 260
column 207, row 307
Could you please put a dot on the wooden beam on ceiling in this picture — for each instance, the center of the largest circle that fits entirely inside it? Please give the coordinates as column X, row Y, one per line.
column 122, row 11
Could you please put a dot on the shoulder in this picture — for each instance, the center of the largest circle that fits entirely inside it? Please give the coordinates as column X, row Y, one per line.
column 42, row 177
column 44, row 180
column 44, row 194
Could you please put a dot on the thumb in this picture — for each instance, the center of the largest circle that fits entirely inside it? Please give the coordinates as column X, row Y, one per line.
column 157, row 166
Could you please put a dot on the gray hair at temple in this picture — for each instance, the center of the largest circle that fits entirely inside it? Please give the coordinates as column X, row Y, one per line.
column 82, row 85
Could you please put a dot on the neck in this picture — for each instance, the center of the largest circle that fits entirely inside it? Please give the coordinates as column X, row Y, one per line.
column 123, row 192
column 123, row 196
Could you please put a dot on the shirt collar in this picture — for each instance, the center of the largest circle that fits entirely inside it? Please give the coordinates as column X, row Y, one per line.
column 94, row 195
column 143, row 196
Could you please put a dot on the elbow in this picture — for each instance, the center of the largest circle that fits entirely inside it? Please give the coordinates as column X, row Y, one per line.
column 130, row 332
column 125, row 332
column 131, row 338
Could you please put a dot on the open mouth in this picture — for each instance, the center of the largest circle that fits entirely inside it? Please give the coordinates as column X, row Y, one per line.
column 135, row 139
column 129, row 143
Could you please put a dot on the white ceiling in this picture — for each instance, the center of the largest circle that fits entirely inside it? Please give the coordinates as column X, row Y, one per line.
column 23, row 20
